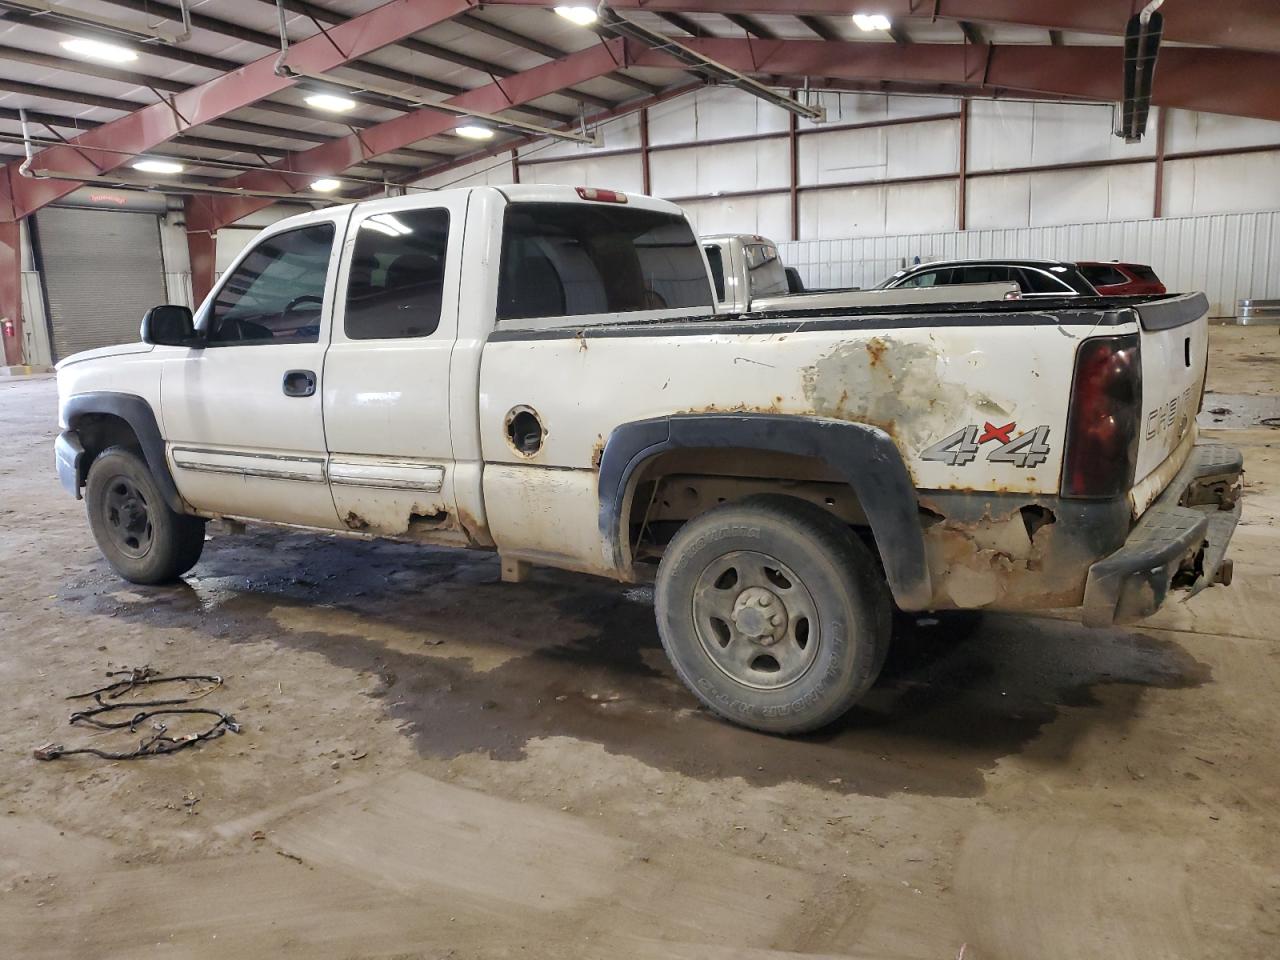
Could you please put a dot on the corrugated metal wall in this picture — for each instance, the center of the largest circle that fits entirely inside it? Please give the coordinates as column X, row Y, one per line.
column 1229, row 256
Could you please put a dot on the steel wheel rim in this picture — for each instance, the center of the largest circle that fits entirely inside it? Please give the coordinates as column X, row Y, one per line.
column 756, row 620
column 127, row 516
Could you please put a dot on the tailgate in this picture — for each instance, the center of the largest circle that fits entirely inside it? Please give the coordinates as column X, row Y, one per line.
column 1175, row 340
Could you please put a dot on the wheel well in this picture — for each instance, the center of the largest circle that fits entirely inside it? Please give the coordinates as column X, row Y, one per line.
column 676, row 486
column 100, row 431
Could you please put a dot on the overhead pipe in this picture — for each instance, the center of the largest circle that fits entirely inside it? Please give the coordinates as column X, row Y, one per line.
column 25, row 167
column 703, row 65
column 176, row 186
column 146, row 33
column 521, row 126
column 1141, row 46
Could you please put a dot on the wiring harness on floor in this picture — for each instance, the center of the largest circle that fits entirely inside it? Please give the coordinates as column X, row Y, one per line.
column 108, row 713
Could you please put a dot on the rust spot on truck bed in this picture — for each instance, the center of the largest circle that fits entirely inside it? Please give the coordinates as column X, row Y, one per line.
column 899, row 385
column 875, row 350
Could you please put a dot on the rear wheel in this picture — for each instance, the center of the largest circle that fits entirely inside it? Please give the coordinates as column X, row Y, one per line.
column 142, row 538
column 772, row 613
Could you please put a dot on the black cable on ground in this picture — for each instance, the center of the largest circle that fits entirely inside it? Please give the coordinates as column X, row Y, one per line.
column 159, row 742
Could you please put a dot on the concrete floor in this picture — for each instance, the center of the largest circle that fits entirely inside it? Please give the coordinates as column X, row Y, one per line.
column 434, row 764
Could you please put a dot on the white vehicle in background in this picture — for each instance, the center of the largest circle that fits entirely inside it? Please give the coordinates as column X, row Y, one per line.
column 749, row 277
column 540, row 371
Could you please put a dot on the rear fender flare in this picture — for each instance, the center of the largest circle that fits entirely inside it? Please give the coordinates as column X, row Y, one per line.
column 865, row 456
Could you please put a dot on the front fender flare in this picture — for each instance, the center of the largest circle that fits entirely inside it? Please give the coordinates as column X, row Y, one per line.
column 865, row 456
column 136, row 412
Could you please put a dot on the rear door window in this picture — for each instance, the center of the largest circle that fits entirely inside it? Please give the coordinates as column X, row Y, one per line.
column 276, row 293
column 1102, row 275
column 396, row 280
column 1038, row 281
column 928, row 278
column 984, row 273
column 575, row 259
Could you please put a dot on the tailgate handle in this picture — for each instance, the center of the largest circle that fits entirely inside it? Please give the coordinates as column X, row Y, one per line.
column 299, row 383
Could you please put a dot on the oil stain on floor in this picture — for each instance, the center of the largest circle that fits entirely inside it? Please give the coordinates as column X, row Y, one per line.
column 468, row 664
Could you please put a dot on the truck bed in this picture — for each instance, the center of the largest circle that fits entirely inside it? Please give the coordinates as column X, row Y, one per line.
column 1156, row 311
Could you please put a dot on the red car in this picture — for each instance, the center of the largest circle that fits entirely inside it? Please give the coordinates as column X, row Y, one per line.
column 1113, row 278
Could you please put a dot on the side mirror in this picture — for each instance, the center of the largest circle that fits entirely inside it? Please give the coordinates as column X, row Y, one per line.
column 170, row 325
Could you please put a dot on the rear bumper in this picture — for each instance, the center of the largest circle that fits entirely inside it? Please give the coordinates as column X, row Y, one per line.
column 67, row 454
column 1180, row 542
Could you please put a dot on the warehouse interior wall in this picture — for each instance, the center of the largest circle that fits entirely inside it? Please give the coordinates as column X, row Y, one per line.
column 883, row 182
column 889, row 167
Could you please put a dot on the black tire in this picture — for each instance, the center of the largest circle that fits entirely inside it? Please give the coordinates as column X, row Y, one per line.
column 784, row 677
column 141, row 537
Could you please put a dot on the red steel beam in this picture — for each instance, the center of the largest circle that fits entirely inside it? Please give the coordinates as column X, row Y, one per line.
column 612, row 114
column 646, row 180
column 202, row 251
column 962, row 184
column 295, row 172
column 1157, row 206
column 1188, row 78
column 11, row 291
column 152, row 125
column 1238, row 24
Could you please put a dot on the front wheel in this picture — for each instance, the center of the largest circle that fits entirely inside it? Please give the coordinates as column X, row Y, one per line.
column 142, row 538
column 772, row 613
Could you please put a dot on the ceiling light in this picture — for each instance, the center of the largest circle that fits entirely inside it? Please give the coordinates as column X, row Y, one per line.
column 330, row 102
column 158, row 166
column 473, row 131
column 325, row 185
column 871, row 21
column 582, row 16
column 98, row 50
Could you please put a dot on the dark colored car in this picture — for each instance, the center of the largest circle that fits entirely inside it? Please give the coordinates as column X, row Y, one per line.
column 1036, row 278
column 1115, row 279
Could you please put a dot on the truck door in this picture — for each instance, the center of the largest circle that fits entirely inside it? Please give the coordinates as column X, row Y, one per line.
column 242, row 415
column 386, row 384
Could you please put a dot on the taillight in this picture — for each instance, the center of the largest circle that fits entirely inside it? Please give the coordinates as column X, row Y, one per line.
column 1105, row 421
column 602, row 196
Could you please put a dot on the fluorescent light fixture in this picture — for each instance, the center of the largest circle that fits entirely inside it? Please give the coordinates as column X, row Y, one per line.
column 871, row 21
column 330, row 102
column 325, row 184
column 582, row 16
column 473, row 131
column 158, row 166
column 84, row 47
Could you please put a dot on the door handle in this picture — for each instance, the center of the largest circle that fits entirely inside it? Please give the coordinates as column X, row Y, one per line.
column 299, row 383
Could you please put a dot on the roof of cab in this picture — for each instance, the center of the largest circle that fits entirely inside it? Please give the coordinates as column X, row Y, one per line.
column 512, row 192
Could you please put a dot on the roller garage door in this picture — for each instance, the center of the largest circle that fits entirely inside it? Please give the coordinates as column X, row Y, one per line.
column 102, row 271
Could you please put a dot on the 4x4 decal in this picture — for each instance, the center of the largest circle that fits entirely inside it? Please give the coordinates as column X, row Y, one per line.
column 1028, row 449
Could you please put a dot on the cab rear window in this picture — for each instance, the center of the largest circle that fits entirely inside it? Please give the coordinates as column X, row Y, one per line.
column 574, row 259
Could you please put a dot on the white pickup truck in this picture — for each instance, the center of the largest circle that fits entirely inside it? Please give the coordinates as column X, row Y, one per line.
column 749, row 277
column 539, row 370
